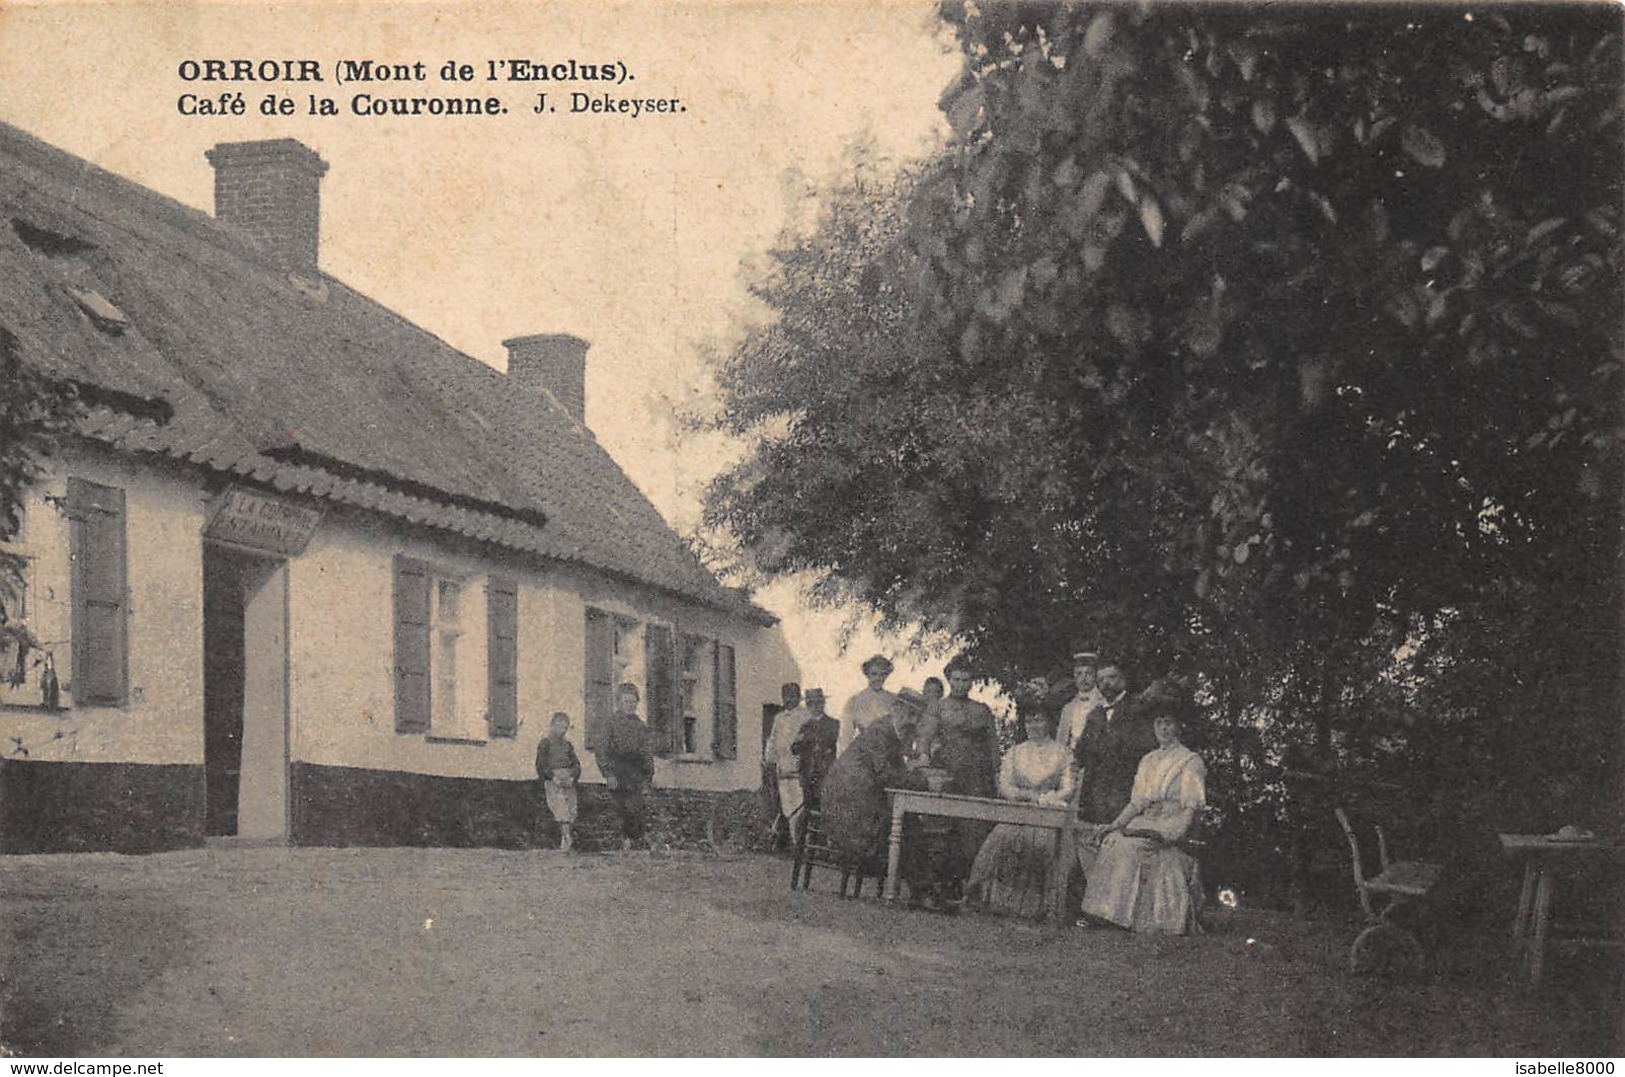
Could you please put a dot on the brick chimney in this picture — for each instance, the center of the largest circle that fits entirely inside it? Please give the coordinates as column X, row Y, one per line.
column 556, row 362
column 269, row 191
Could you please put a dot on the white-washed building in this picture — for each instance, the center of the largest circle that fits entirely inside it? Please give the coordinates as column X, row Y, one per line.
column 309, row 573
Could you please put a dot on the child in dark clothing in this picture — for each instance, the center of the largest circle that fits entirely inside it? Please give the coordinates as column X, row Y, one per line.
column 558, row 767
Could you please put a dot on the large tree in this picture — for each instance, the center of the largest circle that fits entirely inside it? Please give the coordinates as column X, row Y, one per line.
column 1279, row 348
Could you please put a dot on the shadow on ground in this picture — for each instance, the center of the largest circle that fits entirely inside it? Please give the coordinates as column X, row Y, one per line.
column 73, row 957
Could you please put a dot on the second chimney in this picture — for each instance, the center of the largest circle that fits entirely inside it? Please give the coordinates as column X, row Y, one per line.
column 555, row 362
column 270, row 192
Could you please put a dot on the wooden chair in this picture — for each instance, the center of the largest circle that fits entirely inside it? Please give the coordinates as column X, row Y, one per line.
column 811, row 849
column 1399, row 881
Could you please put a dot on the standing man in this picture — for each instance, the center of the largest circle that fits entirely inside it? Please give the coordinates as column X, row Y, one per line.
column 779, row 757
column 1076, row 713
column 626, row 762
column 1109, row 748
column 814, row 746
column 871, row 703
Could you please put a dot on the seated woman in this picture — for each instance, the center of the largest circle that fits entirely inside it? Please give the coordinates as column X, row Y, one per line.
column 857, row 812
column 1012, row 868
column 1142, row 880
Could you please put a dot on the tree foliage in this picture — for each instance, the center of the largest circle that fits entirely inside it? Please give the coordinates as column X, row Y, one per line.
column 1280, row 350
column 35, row 412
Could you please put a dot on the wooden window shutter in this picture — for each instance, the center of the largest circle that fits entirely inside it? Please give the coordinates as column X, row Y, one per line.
column 101, row 653
column 598, row 700
column 411, row 646
column 665, row 724
column 502, row 656
column 725, row 727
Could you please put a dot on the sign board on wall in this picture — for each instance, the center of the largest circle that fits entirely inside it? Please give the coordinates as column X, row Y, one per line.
column 261, row 521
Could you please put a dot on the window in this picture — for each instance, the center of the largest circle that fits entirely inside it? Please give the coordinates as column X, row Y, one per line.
column 445, row 601
column 697, row 694
column 615, row 649
column 100, row 594
column 686, row 682
column 455, row 664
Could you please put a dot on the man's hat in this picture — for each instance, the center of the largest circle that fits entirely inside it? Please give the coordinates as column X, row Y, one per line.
column 1091, row 657
column 909, row 707
column 812, row 694
column 877, row 663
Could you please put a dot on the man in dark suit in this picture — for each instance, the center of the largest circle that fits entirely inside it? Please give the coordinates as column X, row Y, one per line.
column 1115, row 737
column 626, row 761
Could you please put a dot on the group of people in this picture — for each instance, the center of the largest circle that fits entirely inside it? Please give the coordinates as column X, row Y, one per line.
column 1118, row 761
column 625, row 756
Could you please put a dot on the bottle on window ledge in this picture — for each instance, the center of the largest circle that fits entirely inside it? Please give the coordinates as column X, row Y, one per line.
column 50, row 690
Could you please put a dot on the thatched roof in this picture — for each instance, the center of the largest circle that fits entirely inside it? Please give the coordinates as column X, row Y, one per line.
column 196, row 346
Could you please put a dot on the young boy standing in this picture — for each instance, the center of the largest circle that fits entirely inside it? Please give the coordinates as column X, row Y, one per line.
column 558, row 767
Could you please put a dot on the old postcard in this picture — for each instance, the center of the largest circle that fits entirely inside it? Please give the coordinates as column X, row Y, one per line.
column 805, row 529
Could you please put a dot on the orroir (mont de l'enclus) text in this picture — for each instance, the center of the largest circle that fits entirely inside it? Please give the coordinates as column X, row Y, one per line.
column 565, row 86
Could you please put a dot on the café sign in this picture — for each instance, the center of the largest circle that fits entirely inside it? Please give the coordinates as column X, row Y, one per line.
column 260, row 521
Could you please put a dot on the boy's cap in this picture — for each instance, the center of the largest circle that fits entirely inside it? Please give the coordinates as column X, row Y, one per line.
column 558, row 715
column 814, row 693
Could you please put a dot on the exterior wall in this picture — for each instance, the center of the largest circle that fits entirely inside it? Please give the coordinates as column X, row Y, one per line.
column 99, row 777
column 342, row 661
column 163, row 721
column 131, row 777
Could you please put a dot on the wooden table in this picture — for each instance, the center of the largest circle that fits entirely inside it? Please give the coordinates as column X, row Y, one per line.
column 1543, row 856
column 1057, row 817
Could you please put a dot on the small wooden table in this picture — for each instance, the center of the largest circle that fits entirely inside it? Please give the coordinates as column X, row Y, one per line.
column 1542, row 856
column 1057, row 817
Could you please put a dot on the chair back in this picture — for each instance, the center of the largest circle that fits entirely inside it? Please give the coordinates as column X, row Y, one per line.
column 1354, row 856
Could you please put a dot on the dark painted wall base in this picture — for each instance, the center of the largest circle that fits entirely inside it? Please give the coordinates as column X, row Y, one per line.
column 143, row 808
column 105, row 807
column 356, row 806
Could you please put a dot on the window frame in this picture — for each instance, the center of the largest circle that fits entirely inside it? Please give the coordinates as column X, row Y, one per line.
column 461, row 636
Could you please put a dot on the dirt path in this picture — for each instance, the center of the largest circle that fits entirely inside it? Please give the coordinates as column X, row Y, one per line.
column 265, row 952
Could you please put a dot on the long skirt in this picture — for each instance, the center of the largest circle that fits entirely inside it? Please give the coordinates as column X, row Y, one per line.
column 1011, row 873
column 1144, row 886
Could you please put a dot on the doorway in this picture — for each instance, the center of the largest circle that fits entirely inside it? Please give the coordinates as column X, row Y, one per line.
column 245, row 696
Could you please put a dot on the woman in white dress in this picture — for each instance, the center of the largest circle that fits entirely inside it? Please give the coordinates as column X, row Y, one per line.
column 1013, row 865
column 1142, row 880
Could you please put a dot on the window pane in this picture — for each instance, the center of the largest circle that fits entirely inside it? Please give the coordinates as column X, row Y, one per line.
column 450, row 594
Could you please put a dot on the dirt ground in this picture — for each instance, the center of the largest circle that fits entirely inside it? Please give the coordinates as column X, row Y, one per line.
column 276, row 952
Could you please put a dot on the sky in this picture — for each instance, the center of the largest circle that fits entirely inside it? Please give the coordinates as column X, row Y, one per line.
column 637, row 235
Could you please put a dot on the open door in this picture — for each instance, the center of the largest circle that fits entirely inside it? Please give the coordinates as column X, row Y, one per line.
column 245, row 692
